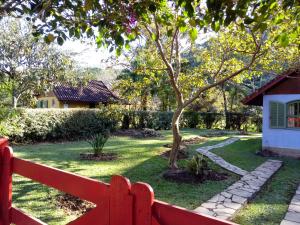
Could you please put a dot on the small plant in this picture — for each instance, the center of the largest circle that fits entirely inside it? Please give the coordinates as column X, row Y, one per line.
column 198, row 165
column 97, row 142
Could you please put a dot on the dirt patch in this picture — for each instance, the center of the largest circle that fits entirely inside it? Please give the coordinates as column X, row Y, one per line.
column 73, row 205
column 138, row 133
column 183, row 147
column 194, row 140
column 184, row 176
column 98, row 157
column 225, row 133
column 267, row 153
column 182, row 154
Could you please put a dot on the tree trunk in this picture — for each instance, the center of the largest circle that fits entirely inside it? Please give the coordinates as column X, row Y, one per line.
column 14, row 98
column 227, row 124
column 176, row 138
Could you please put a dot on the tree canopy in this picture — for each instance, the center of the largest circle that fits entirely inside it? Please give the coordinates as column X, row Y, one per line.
column 117, row 23
column 244, row 32
column 28, row 66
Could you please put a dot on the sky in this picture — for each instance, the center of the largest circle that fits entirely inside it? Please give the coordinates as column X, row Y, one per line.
column 87, row 55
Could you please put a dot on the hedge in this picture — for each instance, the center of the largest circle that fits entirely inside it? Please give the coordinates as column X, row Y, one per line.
column 36, row 125
column 190, row 119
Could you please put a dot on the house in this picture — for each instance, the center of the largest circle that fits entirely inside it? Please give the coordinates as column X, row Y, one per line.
column 89, row 96
column 280, row 99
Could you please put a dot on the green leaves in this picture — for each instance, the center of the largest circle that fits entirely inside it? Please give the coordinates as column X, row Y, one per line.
column 49, row 38
column 283, row 39
column 119, row 40
column 88, row 5
column 215, row 26
column 60, row 40
column 193, row 34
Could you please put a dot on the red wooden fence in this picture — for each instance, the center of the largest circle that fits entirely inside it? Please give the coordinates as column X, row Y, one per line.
column 117, row 203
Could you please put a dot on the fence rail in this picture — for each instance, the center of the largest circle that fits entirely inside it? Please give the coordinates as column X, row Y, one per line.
column 117, row 203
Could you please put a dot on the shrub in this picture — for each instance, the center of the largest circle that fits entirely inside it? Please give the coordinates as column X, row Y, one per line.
column 209, row 119
column 191, row 119
column 97, row 142
column 198, row 165
column 34, row 125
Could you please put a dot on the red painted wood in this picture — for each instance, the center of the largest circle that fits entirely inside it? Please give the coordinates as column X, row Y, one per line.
column 117, row 203
column 142, row 207
column 21, row 218
column 82, row 187
column 166, row 214
column 95, row 216
column 120, row 201
column 6, row 156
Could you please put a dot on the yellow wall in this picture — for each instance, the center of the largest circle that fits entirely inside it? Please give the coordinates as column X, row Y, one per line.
column 53, row 102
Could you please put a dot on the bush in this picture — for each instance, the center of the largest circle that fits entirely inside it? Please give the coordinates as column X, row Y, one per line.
column 198, row 165
column 209, row 119
column 191, row 119
column 97, row 142
column 34, row 125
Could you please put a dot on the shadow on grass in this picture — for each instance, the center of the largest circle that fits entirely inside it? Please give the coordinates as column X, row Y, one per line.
column 139, row 161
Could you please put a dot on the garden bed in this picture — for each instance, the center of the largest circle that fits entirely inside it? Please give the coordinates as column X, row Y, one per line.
column 98, row 157
column 184, row 176
column 73, row 205
column 138, row 133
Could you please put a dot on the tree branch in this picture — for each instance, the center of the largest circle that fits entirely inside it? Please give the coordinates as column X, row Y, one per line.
column 246, row 67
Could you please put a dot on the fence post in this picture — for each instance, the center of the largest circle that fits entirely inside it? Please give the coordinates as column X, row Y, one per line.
column 120, row 205
column 142, row 203
column 6, row 156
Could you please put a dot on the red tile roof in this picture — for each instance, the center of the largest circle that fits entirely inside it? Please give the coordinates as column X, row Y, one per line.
column 94, row 92
column 256, row 98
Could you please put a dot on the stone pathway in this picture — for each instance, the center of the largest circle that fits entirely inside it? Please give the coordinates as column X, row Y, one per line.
column 293, row 214
column 226, row 204
column 218, row 160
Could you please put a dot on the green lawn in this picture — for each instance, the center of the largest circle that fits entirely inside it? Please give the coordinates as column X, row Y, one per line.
column 270, row 206
column 139, row 160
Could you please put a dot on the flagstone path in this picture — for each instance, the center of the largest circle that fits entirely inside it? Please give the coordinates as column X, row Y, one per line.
column 220, row 161
column 292, row 217
column 227, row 203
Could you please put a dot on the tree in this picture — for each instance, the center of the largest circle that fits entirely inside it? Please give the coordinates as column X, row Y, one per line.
column 167, row 23
column 28, row 66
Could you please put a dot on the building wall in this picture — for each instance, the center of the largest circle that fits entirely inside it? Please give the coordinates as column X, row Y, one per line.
column 74, row 105
column 285, row 141
column 53, row 102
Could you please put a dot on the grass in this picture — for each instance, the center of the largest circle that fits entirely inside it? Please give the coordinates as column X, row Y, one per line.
column 270, row 205
column 139, row 160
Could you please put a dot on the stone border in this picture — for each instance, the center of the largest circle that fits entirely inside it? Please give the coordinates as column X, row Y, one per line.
column 220, row 161
column 227, row 203
column 292, row 217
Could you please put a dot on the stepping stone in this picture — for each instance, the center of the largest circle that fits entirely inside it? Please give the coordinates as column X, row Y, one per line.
column 226, row 204
column 293, row 214
column 286, row 222
column 218, row 160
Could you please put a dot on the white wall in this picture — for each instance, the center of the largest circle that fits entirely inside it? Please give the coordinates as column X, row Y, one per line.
column 279, row 138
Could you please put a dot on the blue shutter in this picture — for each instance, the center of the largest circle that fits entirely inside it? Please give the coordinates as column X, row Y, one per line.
column 277, row 115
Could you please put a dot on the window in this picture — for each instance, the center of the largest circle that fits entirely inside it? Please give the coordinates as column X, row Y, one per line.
column 66, row 106
column 277, row 115
column 293, row 114
column 53, row 103
column 45, row 105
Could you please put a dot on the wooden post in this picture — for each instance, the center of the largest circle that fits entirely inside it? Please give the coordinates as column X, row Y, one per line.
column 6, row 156
column 120, row 205
column 142, row 206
